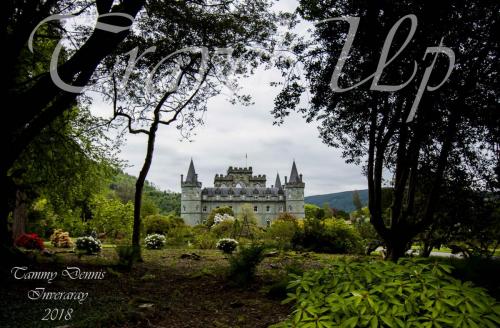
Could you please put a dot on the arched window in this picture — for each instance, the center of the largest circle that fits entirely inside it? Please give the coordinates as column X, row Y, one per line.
column 290, row 208
column 204, row 208
column 268, row 223
column 255, row 209
column 184, row 208
column 268, row 208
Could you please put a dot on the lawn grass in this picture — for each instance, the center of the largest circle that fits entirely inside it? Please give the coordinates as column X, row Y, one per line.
column 165, row 290
column 173, row 288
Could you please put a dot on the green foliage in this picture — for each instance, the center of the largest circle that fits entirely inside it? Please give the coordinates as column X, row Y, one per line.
column 411, row 293
column 313, row 212
column 227, row 245
column 205, row 241
column 328, row 236
column 155, row 241
column 126, row 255
column 161, row 224
column 243, row 264
column 70, row 160
column 369, row 236
column 167, row 202
column 282, row 232
column 179, row 236
column 111, row 217
column 220, row 210
column 225, row 228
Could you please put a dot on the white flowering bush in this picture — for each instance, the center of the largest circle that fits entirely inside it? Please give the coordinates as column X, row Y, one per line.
column 88, row 244
column 218, row 218
column 227, row 245
column 155, row 241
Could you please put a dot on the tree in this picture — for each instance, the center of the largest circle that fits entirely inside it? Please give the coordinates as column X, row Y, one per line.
column 327, row 210
column 457, row 126
column 66, row 164
column 176, row 90
column 37, row 95
column 356, row 201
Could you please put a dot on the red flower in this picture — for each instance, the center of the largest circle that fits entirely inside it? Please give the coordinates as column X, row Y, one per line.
column 30, row 241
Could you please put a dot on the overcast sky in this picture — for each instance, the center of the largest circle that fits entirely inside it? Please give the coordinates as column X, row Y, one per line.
column 232, row 131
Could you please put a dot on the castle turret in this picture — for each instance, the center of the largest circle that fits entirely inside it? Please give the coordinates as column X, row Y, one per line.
column 191, row 197
column 294, row 193
column 277, row 183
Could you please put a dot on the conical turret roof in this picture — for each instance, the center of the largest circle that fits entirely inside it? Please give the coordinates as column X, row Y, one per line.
column 294, row 175
column 191, row 176
column 277, row 184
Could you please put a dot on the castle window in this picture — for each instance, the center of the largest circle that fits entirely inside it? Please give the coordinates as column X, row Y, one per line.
column 255, row 209
column 204, row 208
column 268, row 223
column 268, row 208
column 290, row 208
column 184, row 208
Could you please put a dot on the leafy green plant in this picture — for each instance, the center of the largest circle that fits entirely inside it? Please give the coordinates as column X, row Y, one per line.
column 328, row 236
column 242, row 265
column 282, row 232
column 411, row 293
column 223, row 229
column 126, row 255
column 205, row 241
column 161, row 224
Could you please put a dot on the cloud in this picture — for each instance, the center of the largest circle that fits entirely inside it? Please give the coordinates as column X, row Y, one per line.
column 230, row 132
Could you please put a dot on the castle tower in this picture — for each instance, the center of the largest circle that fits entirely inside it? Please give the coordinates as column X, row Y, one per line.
column 191, row 197
column 294, row 193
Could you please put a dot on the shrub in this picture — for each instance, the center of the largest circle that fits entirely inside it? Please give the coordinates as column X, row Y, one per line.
column 126, row 255
column 61, row 239
column 155, row 241
column 227, row 245
column 161, row 224
column 111, row 217
column 242, row 265
column 179, row 236
column 282, row 232
column 328, row 236
column 88, row 245
column 223, row 229
column 205, row 241
column 30, row 241
column 385, row 294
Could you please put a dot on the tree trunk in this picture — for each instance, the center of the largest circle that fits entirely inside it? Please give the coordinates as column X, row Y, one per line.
column 396, row 247
column 136, row 233
column 6, row 189
column 19, row 215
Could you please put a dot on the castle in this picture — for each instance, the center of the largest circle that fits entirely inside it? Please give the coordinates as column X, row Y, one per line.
column 238, row 187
